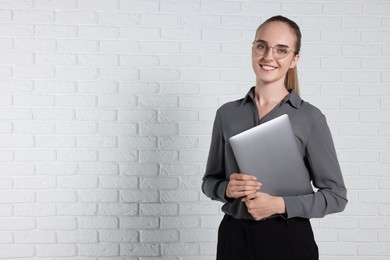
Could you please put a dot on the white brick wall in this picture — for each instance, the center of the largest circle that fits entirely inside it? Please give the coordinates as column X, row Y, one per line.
column 106, row 109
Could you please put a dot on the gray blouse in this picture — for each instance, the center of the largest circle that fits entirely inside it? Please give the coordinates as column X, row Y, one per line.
column 315, row 145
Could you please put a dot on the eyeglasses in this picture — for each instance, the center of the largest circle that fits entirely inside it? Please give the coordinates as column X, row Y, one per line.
column 278, row 51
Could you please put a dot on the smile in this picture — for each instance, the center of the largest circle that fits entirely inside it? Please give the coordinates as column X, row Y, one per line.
column 267, row 67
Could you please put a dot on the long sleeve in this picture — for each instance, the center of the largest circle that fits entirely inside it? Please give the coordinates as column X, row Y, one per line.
column 326, row 175
column 214, row 181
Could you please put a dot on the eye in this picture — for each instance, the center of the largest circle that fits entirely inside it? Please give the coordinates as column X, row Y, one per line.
column 261, row 46
column 282, row 50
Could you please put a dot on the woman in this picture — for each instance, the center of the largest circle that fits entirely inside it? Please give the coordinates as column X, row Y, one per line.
column 257, row 225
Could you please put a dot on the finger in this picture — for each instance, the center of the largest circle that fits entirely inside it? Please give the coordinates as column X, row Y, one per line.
column 242, row 176
column 249, row 197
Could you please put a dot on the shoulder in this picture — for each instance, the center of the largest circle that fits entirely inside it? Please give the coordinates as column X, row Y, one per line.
column 229, row 107
column 312, row 113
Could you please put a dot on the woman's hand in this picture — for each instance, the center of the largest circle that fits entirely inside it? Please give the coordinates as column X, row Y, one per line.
column 241, row 185
column 262, row 205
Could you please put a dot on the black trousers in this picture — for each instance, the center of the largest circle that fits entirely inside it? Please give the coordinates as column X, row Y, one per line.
column 271, row 239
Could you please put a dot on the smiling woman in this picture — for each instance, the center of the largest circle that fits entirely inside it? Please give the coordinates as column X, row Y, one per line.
column 257, row 225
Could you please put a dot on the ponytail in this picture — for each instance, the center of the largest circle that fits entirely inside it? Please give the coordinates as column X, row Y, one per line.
column 291, row 80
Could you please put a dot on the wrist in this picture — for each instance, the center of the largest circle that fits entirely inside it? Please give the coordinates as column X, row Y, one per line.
column 280, row 206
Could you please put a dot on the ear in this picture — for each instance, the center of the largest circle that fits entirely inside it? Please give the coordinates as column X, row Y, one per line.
column 294, row 61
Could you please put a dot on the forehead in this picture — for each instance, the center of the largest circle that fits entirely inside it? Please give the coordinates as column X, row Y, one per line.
column 276, row 33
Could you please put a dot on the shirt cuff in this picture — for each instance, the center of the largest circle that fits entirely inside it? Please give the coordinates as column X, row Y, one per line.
column 293, row 207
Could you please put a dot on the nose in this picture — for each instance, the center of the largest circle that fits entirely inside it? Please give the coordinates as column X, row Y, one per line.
column 269, row 55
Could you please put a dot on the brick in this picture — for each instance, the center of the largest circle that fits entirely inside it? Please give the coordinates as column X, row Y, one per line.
column 76, row 17
column 376, row 9
column 56, row 250
column 220, row 34
column 180, row 248
column 140, row 6
column 74, row 236
column 159, row 236
column 147, row 142
column 34, row 237
column 374, row 249
column 140, row 249
column 17, row 58
column 57, row 223
column 179, row 115
column 111, row 155
column 54, row 114
column 140, row 33
column 71, row 128
column 36, row 155
column 158, row 183
column 55, row 4
column 138, row 87
column 17, row 250
column 139, row 222
column 32, row 183
column 95, row 196
column 158, row 156
column 73, row 73
column 76, row 209
column 350, row 8
column 11, row 30
column 200, row 47
column 56, row 31
column 78, row 45
column 99, row 168
column 99, row 5
column 77, row 182
column 143, row 196
column 159, row 209
column 98, row 249
column 56, row 196
column 363, row 22
column 56, row 59
column 34, row 128
column 179, row 195
column 162, row 47
column 97, row 222
column 55, row 86
column 96, row 142
column 117, row 209
column 102, row 87
column 122, row 100
column 5, row 183
column 95, row 114
column 117, row 128
column 263, row 8
column 119, row 236
column 55, row 142
column 199, row 235
column 118, row 182
column 338, row 249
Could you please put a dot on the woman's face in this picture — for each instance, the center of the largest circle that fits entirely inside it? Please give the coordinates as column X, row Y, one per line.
column 267, row 68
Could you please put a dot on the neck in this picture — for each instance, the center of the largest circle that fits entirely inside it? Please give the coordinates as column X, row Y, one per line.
column 270, row 93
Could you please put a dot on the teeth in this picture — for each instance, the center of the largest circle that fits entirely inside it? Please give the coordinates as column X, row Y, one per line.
column 267, row 67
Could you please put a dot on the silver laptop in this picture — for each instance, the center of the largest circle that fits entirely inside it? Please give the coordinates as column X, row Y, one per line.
column 270, row 152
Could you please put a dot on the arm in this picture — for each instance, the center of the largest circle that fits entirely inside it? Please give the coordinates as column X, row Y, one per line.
column 326, row 175
column 216, row 185
column 214, row 180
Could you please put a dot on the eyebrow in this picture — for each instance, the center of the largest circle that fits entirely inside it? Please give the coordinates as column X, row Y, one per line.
column 281, row 45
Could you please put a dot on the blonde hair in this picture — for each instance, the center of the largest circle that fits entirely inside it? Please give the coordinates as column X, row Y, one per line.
column 291, row 81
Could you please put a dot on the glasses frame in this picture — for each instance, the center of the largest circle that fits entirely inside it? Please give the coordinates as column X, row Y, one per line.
column 273, row 50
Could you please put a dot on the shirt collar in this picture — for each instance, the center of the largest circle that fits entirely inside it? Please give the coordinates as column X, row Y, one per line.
column 293, row 98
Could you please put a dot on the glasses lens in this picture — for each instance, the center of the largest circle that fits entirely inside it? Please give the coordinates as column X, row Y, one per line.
column 260, row 48
column 280, row 51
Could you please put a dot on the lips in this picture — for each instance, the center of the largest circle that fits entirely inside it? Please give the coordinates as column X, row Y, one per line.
column 267, row 67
